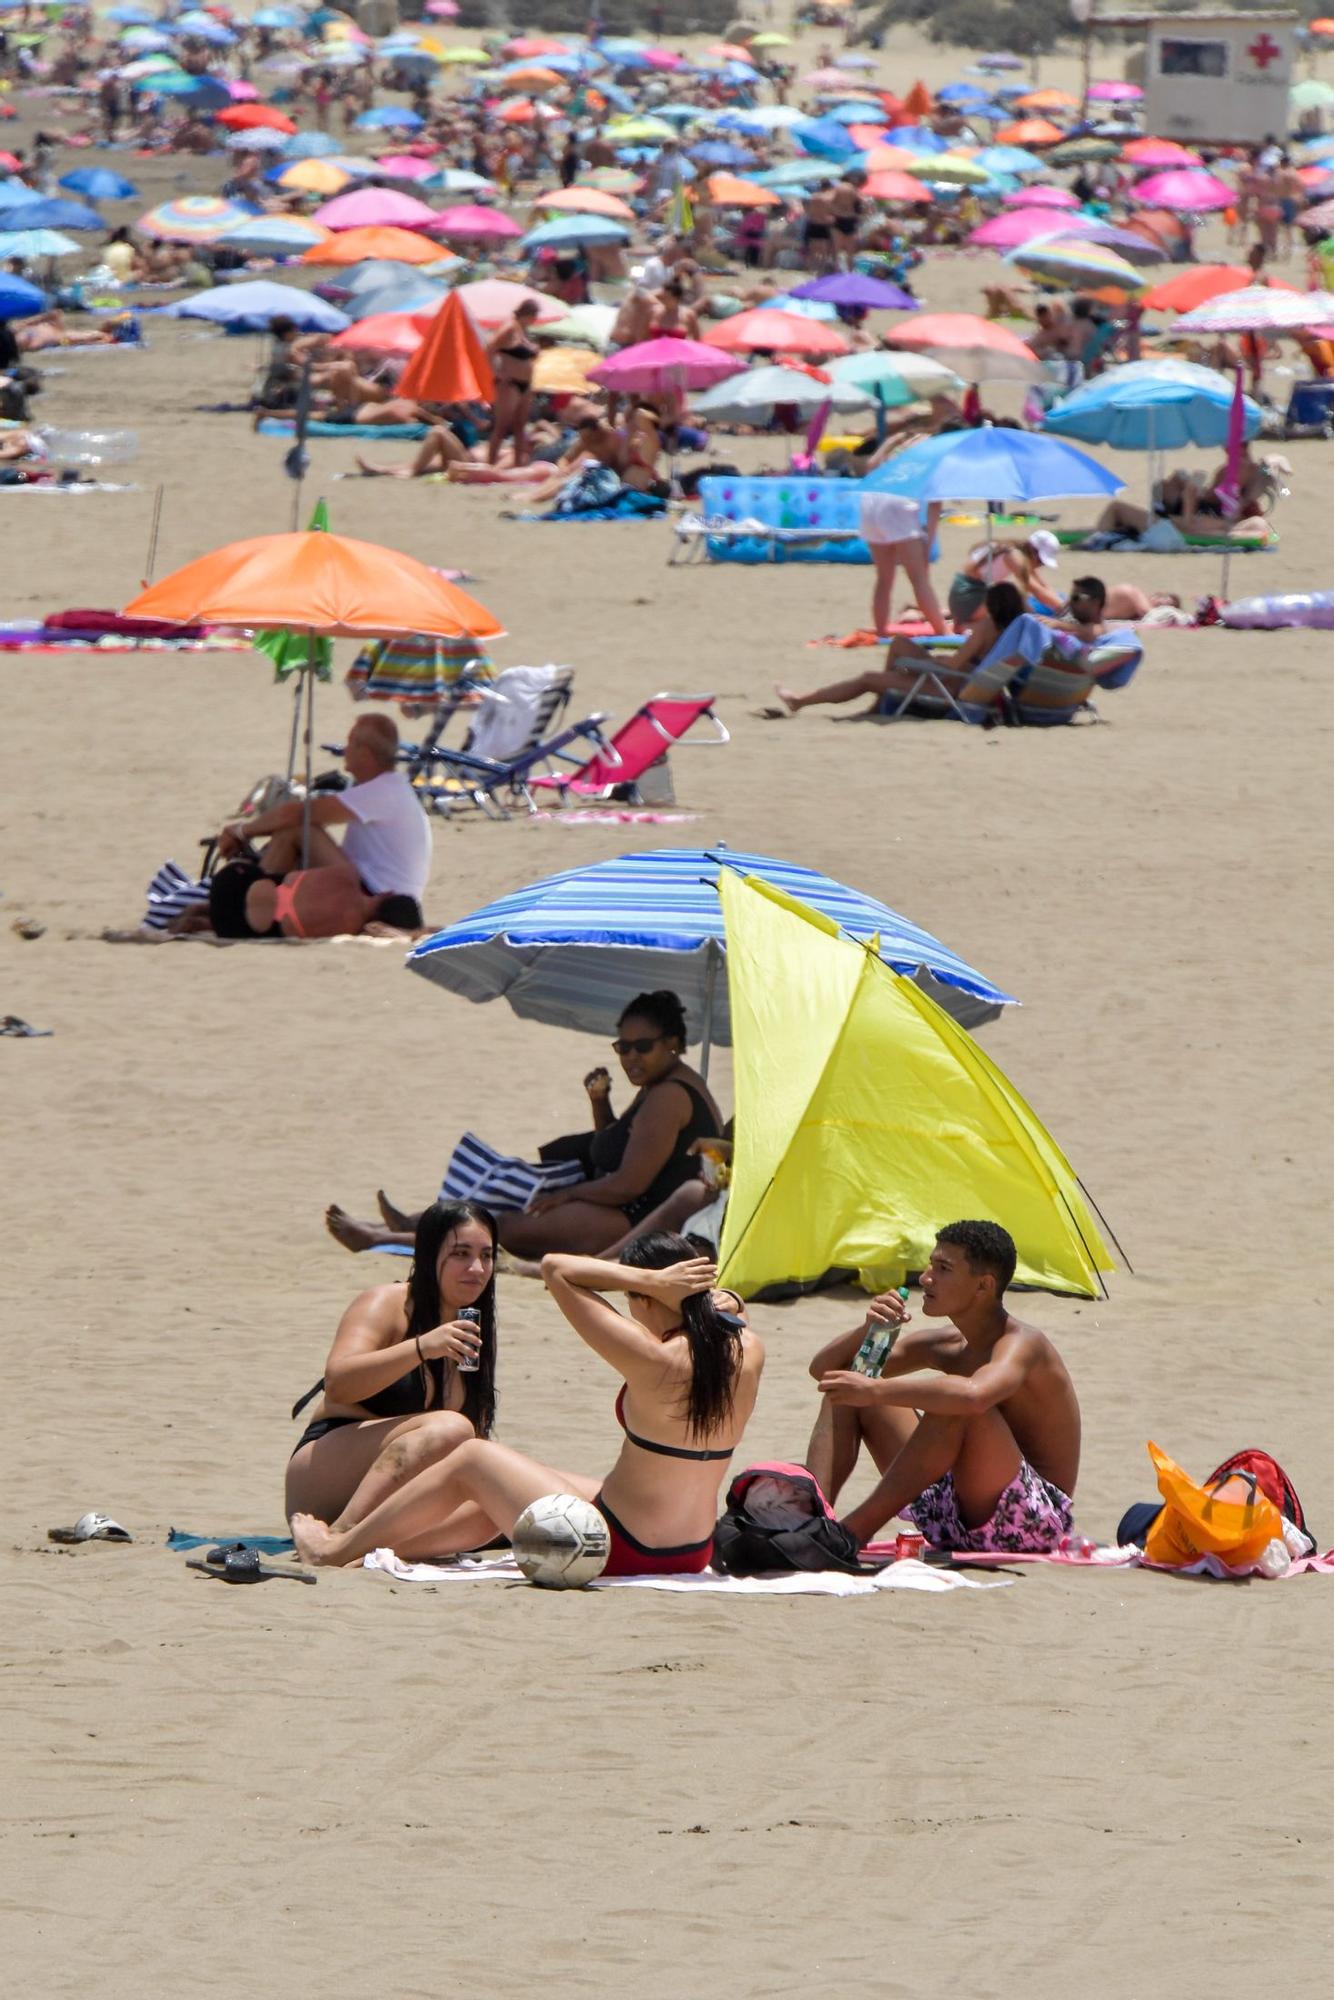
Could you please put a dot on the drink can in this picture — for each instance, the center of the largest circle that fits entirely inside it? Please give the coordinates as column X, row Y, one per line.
column 909, row 1547
column 474, row 1318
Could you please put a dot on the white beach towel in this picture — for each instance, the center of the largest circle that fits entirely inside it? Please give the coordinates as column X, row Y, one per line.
column 509, row 710
column 502, row 1568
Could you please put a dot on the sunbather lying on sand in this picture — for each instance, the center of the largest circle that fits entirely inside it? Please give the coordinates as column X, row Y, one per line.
column 245, row 902
column 690, row 1367
column 49, row 329
column 992, row 1459
column 407, row 1380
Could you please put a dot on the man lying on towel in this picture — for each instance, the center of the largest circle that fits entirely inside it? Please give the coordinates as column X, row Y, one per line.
column 973, row 1424
column 244, row 902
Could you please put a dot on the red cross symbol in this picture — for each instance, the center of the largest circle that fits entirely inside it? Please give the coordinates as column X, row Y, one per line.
column 1264, row 51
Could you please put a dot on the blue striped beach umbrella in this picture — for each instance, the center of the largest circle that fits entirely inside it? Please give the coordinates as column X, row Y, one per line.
column 572, row 949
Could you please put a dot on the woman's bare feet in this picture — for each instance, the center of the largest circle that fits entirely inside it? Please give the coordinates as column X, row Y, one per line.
column 315, row 1541
column 396, row 1219
column 353, row 1235
column 789, row 698
column 369, row 471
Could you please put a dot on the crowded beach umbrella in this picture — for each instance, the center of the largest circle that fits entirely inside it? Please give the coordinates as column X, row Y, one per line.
column 493, row 301
column 389, row 117
column 752, row 396
column 1009, row 160
column 766, row 117
column 1158, row 154
column 356, row 246
column 950, row 169
column 730, row 191
column 1071, row 261
column 584, row 201
column 322, row 585
column 666, row 364
column 1114, row 93
column 1159, row 405
column 1046, row 100
column 260, row 140
column 975, row 348
column 572, row 949
column 457, row 180
column 274, row 236
column 891, row 187
column 375, row 208
column 894, row 379
column 47, row 214
column 1190, row 288
column 29, row 244
column 850, row 288
column 246, row 117
column 1080, row 152
column 403, row 167
column 17, row 194
column 193, row 218
column 764, row 330
column 1016, row 226
column 310, row 145
column 573, row 232
column 18, row 298
column 96, row 184
column 1191, row 191
column 252, row 307
column 310, row 177
column 1321, row 217
column 1259, row 309
column 393, row 333
column 474, row 224
column 1030, row 132
column 1041, row 197
column 995, row 467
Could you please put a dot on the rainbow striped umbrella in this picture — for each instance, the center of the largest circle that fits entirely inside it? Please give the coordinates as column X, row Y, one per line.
column 1071, row 260
column 194, row 218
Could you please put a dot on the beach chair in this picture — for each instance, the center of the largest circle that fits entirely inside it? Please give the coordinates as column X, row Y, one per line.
column 638, row 748
column 1111, row 663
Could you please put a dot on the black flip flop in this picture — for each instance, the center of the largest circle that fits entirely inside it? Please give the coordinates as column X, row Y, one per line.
column 242, row 1565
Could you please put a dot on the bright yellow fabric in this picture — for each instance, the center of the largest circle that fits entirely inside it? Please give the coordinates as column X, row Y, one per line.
column 1193, row 1523
column 866, row 1119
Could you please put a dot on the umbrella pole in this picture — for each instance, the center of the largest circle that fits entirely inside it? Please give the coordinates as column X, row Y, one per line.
column 710, row 982
column 297, row 692
column 308, row 675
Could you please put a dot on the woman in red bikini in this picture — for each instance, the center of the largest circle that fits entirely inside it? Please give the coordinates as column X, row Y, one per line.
column 691, row 1369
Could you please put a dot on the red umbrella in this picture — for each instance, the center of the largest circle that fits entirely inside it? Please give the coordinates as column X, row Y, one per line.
column 241, row 117
column 978, row 349
column 767, row 330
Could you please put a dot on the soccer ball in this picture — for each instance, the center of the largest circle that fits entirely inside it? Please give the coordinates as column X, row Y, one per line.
column 561, row 1542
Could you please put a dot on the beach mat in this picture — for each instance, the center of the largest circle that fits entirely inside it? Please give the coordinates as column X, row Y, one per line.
column 278, row 427
column 1219, row 545
column 264, row 1545
column 902, row 628
column 502, row 1568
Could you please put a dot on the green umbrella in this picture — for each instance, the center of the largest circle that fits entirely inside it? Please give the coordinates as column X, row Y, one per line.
column 291, row 652
column 1072, row 152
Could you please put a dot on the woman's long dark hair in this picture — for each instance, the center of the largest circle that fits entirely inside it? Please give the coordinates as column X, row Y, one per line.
column 715, row 1347
column 425, row 1309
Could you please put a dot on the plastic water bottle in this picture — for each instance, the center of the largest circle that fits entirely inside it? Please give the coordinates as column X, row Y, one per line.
column 877, row 1345
column 1079, row 1548
column 91, row 447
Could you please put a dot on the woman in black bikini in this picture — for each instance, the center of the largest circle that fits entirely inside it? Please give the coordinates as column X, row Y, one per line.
column 513, row 356
column 691, row 1369
column 636, row 1160
column 394, row 1398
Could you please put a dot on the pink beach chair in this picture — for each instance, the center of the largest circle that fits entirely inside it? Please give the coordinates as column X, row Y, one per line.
column 641, row 742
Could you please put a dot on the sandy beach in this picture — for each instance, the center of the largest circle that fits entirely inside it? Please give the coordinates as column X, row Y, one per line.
column 1113, row 1781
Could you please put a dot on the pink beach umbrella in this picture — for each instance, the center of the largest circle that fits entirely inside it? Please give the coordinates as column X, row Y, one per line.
column 405, row 167
column 491, row 301
column 1154, row 155
column 375, row 208
column 769, row 330
column 1041, row 197
column 1115, row 93
column 442, row 10
column 473, row 224
column 1192, row 191
column 656, row 367
column 1018, row 226
column 1259, row 309
column 241, row 93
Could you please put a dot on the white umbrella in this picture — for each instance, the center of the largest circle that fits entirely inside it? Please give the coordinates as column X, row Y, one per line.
column 751, row 398
column 1258, row 309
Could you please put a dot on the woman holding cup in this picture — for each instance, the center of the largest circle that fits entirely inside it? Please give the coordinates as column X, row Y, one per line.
column 411, row 1374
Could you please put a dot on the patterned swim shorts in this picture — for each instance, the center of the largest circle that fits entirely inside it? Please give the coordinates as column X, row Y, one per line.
column 1030, row 1518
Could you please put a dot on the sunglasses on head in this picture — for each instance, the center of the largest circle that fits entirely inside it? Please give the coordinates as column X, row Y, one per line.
column 638, row 1046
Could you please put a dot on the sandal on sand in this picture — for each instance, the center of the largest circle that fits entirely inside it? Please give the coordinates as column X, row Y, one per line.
column 10, row 1024
column 772, row 714
column 242, row 1565
column 91, row 1528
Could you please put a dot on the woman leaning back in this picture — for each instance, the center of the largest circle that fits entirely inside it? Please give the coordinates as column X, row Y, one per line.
column 398, row 1393
column 691, row 1370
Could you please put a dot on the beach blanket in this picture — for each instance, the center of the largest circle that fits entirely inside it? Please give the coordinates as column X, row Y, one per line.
column 1133, row 1557
column 54, row 485
column 264, row 1545
column 596, row 493
column 502, row 1568
column 905, row 628
column 477, row 1172
column 1220, row 545
column 318, row 428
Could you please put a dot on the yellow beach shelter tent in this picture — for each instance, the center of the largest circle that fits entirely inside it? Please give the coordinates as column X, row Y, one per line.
column 866, row 1119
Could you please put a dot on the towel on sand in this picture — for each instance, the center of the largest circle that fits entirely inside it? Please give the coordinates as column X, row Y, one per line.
column 823, row 1583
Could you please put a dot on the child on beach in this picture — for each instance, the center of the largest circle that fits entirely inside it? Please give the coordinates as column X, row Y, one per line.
column 973, row 1425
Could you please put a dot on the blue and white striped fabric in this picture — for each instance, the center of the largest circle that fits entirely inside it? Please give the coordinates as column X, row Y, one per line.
column 477, row 1172
column 572, row 949
column 170, row 894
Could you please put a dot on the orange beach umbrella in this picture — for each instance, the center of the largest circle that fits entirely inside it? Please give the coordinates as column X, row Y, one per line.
column 451, row 365
column 400, row 246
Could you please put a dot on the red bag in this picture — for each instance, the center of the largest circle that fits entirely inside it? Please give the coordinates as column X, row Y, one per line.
column 1271, row 1479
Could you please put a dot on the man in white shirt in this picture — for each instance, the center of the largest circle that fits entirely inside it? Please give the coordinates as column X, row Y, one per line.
column 387, row 838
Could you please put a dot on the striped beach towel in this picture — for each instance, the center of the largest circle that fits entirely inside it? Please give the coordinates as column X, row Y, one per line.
column 170, row 894
column 477, row 1172
column 415, row 670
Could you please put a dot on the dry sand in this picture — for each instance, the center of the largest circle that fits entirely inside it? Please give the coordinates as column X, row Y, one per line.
column 1108, row 1782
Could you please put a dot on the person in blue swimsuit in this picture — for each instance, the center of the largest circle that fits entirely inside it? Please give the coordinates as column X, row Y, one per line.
column 690, row 1369
column 399, row 1391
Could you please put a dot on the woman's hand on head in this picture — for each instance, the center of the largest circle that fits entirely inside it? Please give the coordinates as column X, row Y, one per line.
column 681, row 1281
column 453, row 1340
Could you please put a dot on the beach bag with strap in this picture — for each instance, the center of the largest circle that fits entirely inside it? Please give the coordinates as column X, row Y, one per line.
column 777, row 1518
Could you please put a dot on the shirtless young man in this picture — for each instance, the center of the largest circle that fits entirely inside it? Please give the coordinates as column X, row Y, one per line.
column 992, row 1459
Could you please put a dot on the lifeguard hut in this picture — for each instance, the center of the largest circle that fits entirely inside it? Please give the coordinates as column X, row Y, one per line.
column 1216, row 79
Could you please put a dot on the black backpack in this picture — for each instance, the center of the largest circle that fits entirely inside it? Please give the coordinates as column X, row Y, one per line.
column 777, row 1518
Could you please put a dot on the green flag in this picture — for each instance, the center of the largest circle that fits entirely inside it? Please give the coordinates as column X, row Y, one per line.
column 291, row 651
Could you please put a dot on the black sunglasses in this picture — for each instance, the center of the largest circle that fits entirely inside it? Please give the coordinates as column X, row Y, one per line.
column 640, row 1046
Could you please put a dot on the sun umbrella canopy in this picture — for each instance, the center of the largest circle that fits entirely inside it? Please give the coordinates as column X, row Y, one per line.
column 1041, row 197
column 274, row 236
column 475, row 224
column 395, row 333
column 895, row 378
column 850, row 288
column 764, row 330
column 492, row 301
column 18, row 298
column 1192, row 191
column 1158, row 154
column 995, row 466
column 321, row 583
column 1070, row 260
column 1259, row 309
column 47, row 214
column 572, row 949
column 656, row 367
column 357, row 246
column 96, row 184
column 752, row 397
column 978, row 349
column 1134, row 410
column 30, row 243
column 375, row 208
column 1017, row 226
column 1187, row 289
column 569, row 232
column 584, row 201
column 252, row 307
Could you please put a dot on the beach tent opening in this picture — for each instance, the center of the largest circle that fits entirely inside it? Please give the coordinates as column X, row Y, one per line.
column 866, row 1119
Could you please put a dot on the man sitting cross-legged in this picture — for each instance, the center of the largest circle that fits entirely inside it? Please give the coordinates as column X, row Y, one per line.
column 973, row 1424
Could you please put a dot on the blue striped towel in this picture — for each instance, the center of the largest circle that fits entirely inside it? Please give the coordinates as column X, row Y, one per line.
column 170, row 893
column 477, row 1172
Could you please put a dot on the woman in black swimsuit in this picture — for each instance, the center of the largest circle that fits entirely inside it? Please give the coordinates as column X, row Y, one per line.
column 513, row 356
column 691, row 1369
column 634, row 1161
column 393, row 1396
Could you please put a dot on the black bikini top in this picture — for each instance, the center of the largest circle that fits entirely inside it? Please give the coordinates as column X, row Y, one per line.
column 663, row 1450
